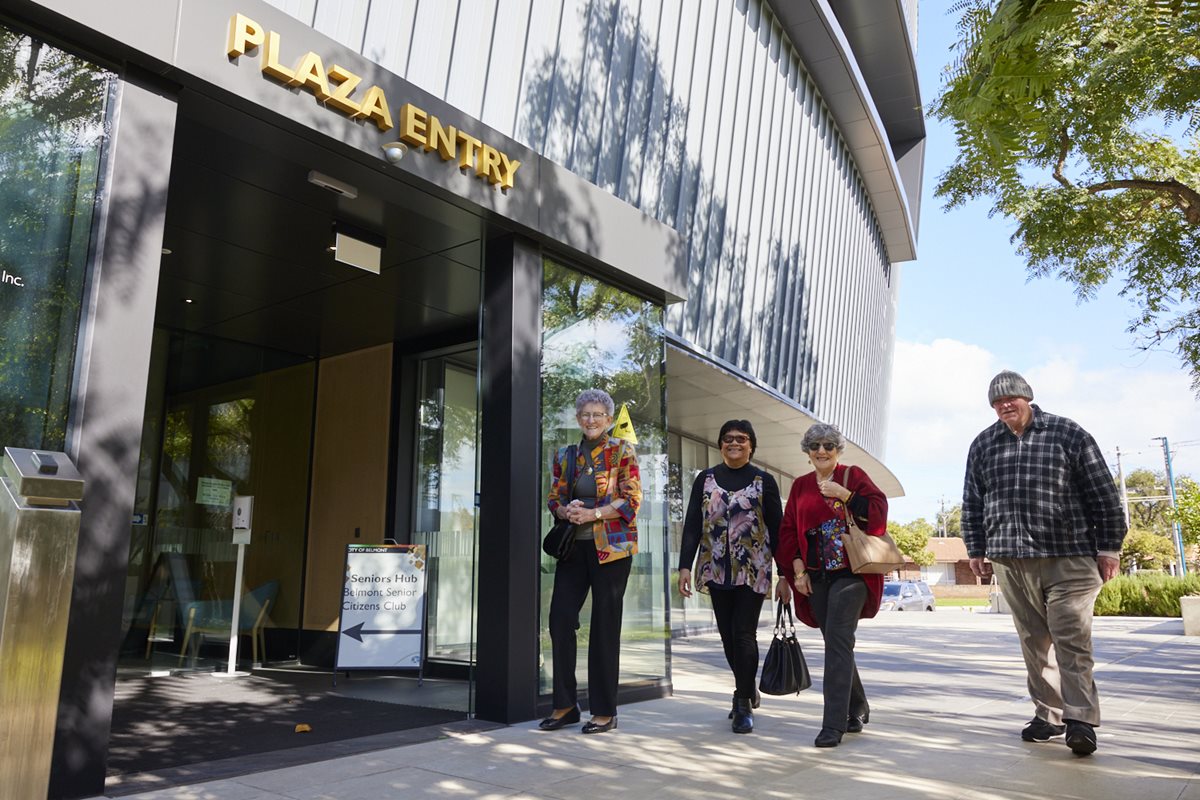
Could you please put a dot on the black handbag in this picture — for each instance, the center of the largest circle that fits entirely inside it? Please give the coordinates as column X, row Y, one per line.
column 560, row 539
column 784, row 670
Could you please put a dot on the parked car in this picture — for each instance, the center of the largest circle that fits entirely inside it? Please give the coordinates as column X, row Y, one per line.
column 907, row 596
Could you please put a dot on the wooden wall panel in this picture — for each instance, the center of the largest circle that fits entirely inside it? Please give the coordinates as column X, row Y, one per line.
column 279, row 474
column 349, row 472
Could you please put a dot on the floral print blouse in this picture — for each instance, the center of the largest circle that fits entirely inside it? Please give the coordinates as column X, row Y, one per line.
column 735, row 548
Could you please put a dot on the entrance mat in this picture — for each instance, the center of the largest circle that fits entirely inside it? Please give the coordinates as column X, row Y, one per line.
column 164, row 722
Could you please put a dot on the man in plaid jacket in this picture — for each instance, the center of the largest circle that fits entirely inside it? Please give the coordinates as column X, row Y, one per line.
column 1040, row 503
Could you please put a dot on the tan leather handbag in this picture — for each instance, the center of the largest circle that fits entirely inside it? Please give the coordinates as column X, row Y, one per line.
column 869, row 554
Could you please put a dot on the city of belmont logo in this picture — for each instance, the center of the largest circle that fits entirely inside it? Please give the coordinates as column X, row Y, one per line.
column 335, row 88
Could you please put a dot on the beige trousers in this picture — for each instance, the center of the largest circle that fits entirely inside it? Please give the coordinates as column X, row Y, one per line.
column 1051, row 601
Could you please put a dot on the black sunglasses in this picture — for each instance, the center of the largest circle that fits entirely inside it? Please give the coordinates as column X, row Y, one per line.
column 829, row 447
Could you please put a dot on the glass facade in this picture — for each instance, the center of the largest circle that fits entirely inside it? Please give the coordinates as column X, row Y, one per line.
column 52, row 132
column 597, row 336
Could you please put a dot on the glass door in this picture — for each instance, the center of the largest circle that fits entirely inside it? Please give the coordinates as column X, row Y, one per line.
column 222, row 420
column 447, row 480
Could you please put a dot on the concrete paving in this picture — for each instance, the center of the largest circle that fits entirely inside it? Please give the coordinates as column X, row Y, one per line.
column 948, row 701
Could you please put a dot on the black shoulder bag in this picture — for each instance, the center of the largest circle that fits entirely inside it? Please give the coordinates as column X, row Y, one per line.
column 784, row 670
column 560, row 539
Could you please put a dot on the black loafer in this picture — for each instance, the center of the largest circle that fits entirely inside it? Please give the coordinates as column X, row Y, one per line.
column 828, row 737
column 855, row 723
column 592, row 727
column 553, row 724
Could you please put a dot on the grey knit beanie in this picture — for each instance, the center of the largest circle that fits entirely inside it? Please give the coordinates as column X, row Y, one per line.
column 1008, row 384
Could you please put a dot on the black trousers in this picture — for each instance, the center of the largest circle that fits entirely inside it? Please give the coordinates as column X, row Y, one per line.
column 737, row 609
column 574, row 577
column 837, row 604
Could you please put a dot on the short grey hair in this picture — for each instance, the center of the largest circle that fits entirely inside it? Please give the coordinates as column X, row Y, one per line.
column 589, row 396
column 821, row 432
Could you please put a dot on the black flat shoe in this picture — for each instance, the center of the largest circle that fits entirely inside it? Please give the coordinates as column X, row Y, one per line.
column 592, row 727
column 553, row 724
column 855, row 723
column 828, row 737
column 743, row 717
column 755, row 702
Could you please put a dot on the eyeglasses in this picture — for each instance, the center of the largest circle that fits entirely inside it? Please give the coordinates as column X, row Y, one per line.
column 829, row 447
column 593, row 415
column 734, row 439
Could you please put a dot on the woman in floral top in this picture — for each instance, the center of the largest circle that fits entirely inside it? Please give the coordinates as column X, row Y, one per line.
column 813, row 559
column 733, row 519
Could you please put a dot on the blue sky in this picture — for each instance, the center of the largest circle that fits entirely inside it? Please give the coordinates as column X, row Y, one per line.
column 968, row 310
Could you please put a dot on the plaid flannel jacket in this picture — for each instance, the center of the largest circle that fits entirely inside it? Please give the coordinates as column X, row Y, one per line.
column 618, row 478
column 1045, row 493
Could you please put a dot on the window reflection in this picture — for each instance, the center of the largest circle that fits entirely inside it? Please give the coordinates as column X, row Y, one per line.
column 446, row 514
column 51, row 132
column 596, row 335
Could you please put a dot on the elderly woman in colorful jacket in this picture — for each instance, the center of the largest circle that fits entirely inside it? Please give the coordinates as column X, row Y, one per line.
column 812, row 557
column 602, row 505
column 733, row 520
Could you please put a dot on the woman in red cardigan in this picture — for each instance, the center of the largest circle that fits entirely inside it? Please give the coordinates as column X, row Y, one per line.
column 813, row 560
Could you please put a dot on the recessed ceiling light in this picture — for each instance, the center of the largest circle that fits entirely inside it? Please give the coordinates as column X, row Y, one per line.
column 331, row 249
column 166, row 251
column 188, row 300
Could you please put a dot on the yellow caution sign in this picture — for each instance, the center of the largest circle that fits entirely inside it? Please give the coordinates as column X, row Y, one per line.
column 623, row 427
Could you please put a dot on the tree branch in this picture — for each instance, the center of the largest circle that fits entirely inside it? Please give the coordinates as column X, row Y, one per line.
column 1186, row 198
column 1064, row 146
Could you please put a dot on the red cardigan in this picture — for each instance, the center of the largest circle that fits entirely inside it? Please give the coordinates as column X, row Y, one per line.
column 806, row 509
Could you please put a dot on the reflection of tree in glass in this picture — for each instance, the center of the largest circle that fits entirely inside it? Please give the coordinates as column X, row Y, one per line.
column 176, row 464
column 51, row 112
column 446, row 439
column 598, row 335
column 229, row 441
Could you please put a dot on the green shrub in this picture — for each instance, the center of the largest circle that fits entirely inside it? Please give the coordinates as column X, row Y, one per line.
column 1145, row 595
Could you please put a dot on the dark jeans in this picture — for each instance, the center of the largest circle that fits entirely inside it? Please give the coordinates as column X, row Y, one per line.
column 837, row 604
column 737, row 610
column 574, row 577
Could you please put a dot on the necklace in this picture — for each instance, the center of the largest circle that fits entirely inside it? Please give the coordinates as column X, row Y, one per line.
column 593, row 465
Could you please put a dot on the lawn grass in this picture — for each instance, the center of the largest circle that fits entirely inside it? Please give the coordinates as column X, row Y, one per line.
column 962, row 602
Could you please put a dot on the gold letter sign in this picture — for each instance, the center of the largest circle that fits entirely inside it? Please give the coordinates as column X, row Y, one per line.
column 334, row 87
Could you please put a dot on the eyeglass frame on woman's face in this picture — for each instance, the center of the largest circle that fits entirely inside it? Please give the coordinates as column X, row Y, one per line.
column 828, row 447
column 586, row 415
column 731, row 439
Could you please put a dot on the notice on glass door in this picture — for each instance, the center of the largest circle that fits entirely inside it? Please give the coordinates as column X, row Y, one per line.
column 382, row 623
column 213, row 492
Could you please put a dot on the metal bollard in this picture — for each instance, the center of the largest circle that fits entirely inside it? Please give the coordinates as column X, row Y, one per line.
column 39, row 529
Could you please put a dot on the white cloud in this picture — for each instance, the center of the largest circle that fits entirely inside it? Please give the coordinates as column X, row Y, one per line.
column 939, row 404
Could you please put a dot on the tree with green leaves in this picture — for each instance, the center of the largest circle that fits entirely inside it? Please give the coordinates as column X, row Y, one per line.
column 1146, row 550
column 1079, row 120
column 1149, row 501
column 912, row 538
column 1187, row 510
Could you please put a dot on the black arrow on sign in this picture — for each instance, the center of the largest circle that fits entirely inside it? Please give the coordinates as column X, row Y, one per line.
column 356, row 633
